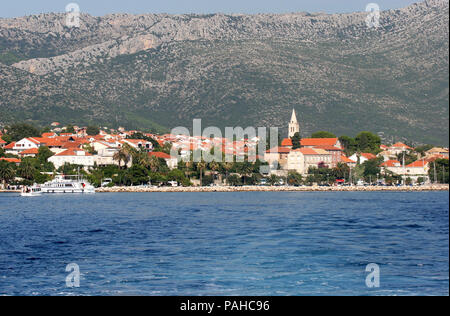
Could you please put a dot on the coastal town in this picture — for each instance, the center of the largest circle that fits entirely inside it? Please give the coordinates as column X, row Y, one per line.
column 130, row 158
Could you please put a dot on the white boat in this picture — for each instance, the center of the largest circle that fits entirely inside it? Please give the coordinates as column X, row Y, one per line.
column 67, row 184
column 33, row 191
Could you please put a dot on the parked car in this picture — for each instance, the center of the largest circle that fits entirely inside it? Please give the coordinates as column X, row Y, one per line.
column 106, row 182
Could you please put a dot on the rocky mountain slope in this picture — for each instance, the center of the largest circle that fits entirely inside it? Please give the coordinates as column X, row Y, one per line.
column 159, row 71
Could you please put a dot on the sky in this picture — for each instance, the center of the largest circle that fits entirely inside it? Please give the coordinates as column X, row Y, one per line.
column 16, row 8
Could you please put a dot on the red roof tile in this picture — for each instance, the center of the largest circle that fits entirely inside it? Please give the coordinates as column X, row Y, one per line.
column 307, row 151
column 46, row 135
column 319, row 141
column 10, row 146
column 13, row 160
column 31, row 151
column 279, row 150
column 346, row 159
column 391, row 163
column 418, row 164
column 286, row 142
column 72, row 152
column 401, row 145
column 369, row 156
column 160, row 155
column 329, row 147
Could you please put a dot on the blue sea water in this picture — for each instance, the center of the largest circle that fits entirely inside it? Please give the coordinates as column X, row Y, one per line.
column 266, row 243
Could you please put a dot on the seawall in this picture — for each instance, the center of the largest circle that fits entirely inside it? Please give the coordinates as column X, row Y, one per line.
column 274, row 189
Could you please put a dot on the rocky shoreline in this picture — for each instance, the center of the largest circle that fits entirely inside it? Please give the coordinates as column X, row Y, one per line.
column 272, row 189
column 265, row 189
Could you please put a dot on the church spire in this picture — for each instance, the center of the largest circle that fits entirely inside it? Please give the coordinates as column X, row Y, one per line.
column 293, row 117
column 294, row 126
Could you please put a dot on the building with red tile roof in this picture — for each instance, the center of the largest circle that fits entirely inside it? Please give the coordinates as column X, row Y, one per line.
column 32, row 152
column 172, row 162
column 73, row 156
column 368, row 156
column 10, row 145
column 287, row 142
column 391, row 163
column 315, row 142
column 11, row 160
column 49, row 135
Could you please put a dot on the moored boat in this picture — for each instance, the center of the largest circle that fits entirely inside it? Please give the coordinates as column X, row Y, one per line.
column 67, row 184
column 32, row 191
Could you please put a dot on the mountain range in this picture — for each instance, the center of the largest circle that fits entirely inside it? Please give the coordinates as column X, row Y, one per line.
column 158, row 71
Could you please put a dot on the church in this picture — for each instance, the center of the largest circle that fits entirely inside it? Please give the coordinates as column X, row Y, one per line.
column 294, row 126
column 313, row 152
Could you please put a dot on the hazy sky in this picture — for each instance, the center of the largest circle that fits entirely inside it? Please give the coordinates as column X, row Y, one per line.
column 14, row 8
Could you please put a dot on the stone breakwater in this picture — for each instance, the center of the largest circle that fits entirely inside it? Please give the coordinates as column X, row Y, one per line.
column 272, row 189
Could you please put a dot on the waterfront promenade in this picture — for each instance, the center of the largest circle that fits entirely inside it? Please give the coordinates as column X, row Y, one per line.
column 436, row 187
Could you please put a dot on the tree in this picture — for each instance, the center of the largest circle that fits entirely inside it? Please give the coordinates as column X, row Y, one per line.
column 43, row 154
column 341, row 171
column 422, row 149
column 154, row 163
column 201, row 166
column 442, row 170
column 245, row 168
column 178, row 175
column 19, row 131
column 323, row 134
column 371, row 168
column 70, row 129
column 92, row 130
column 7, row 172
column 273, row 180
column 368, row 142
column 26, row 170
column 7, row 139
column 234, row 180
column 349, row 144
column 2, row 153
column 296, row 141
column 227, row 166
column 123, row 155
column 90, row 149
column 294, row 178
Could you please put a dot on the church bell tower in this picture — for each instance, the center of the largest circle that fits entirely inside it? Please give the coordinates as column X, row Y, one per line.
column 294, row 127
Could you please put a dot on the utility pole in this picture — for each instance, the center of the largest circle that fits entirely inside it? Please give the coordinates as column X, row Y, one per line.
column 435, row 175
column 404, row 168
column 443, row 174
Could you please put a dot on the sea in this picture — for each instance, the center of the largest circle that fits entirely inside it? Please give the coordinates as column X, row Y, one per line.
column 224, row 244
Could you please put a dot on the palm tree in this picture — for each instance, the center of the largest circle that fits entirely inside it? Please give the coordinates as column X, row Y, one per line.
column 26, row 170
column 245, row 169
column 200, row 166
column 123, row 154
column 214, row 166
column 7, row 173
column 227, row 166
column 154, row 163
column 273, row 180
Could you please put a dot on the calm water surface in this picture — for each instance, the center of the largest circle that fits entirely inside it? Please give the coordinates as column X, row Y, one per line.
column 266, row 243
